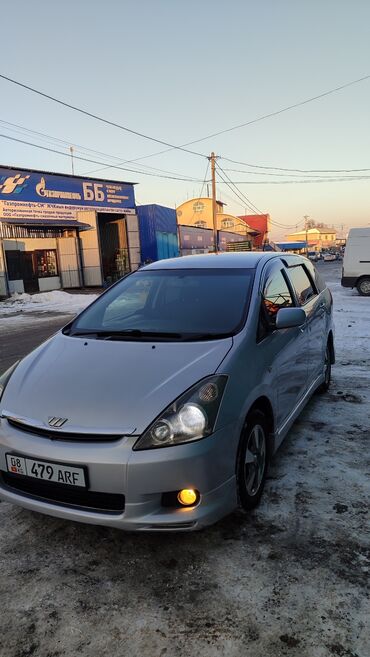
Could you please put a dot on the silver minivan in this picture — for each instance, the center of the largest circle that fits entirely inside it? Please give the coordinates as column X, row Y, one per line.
column 161, row 404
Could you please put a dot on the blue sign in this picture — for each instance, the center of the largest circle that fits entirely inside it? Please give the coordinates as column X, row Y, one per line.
column 31, row 187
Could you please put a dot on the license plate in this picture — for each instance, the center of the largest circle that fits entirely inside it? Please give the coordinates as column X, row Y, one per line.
column 46, row 471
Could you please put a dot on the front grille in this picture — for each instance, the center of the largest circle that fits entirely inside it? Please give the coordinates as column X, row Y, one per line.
column 44, row 491
column 62, row 435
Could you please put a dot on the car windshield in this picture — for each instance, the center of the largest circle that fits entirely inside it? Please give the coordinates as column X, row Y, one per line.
column 174, row 304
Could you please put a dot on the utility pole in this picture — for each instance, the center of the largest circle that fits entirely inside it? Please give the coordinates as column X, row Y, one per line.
column 212, row 159
column 73, row 168
column 306, row 218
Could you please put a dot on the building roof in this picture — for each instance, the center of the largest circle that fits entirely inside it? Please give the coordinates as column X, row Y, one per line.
column 288, row 246
column 65, row 175
column 314, row 230
column 48, row 223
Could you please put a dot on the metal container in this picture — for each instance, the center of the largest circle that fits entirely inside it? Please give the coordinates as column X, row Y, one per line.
column 158, row 232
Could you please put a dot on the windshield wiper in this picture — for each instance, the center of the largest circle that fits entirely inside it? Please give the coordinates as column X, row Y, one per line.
column 128, row 333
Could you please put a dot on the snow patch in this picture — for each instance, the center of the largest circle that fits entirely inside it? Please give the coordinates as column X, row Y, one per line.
column 45, row 302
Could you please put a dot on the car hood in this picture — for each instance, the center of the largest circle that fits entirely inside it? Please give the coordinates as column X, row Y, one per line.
column 106, row 387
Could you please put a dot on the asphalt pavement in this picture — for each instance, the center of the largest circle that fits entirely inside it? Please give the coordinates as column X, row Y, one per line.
column 286, row 580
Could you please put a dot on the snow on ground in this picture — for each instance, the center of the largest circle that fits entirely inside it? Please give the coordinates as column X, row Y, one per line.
column 290, row 579
column 56, row 301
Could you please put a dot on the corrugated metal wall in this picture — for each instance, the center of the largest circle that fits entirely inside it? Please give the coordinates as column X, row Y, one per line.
column 154, row 222
column 202, row 238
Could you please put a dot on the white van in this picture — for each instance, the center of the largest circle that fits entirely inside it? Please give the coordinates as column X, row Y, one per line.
column 356, row 261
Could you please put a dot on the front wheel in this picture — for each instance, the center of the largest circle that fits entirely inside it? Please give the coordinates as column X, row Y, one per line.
column 252, row 460
column 327, row 371
column 363, row 287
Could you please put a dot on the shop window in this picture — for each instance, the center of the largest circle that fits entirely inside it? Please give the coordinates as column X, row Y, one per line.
column 46, row 264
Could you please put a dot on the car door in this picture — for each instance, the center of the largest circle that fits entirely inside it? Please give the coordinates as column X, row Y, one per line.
column 313, row 303
column 285, row 350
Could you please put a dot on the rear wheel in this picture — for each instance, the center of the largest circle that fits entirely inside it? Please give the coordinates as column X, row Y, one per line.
column 363, row 287
column 252, row 460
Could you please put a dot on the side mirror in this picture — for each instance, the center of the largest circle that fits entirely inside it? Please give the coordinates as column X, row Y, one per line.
column 290, row 317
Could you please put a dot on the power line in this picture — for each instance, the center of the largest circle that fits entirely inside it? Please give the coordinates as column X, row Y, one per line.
column 245, row 204
column 247, row 200
column 97, row 117
column 284, row 175
column 259, row 166
column 84, row 159
column 249, row 204
column 18, row 129
column 262, row 118
column 302, row 181
column 284, row 109
column 195, row 141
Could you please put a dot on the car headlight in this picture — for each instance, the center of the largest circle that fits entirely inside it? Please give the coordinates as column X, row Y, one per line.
column 4, row 378
column 191, row 417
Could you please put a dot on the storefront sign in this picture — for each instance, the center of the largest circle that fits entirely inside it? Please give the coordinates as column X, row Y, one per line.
column 26, row 194
column 20, row 210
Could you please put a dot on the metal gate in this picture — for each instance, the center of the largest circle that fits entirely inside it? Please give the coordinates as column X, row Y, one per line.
column 69, row 266
column 167, row 246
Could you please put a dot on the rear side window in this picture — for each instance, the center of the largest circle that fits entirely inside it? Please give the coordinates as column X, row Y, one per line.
column 320, row 285
column 301, row 283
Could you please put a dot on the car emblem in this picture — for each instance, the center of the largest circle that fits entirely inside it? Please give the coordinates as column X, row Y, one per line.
column 57, row 422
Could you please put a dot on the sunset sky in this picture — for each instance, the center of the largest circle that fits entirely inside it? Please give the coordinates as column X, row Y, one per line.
column 179, row 71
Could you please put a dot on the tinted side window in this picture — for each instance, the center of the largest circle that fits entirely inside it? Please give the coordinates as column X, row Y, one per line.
column 320, row 285
column 301, row 284
column 275, row 295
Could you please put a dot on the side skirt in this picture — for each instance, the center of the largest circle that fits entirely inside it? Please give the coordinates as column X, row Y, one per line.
column 283, row 430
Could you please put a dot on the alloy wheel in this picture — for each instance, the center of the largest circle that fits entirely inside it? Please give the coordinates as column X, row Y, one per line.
column 255, row 459
column 365, row 286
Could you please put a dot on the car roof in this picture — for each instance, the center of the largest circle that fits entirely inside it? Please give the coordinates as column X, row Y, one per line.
column 237, row 260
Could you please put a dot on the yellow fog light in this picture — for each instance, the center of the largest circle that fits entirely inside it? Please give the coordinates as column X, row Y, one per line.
column 187, row 496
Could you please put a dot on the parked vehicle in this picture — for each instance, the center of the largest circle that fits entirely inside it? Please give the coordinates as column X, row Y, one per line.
column 315, row 256
column 160, row 406
column 356, row 261
column 329, row 257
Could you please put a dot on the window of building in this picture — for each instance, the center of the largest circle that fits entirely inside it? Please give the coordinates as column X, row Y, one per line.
column 301, row 283
column 46, row 263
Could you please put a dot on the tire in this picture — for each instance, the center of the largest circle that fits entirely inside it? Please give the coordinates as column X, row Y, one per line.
column 252, row 460
column 363, row 286
column 324, row 387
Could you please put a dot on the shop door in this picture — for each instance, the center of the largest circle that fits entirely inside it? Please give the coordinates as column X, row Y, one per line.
column 30, row 280
column 20, row 266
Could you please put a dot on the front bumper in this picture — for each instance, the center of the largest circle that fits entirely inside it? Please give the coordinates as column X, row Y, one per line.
column 140, row 476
